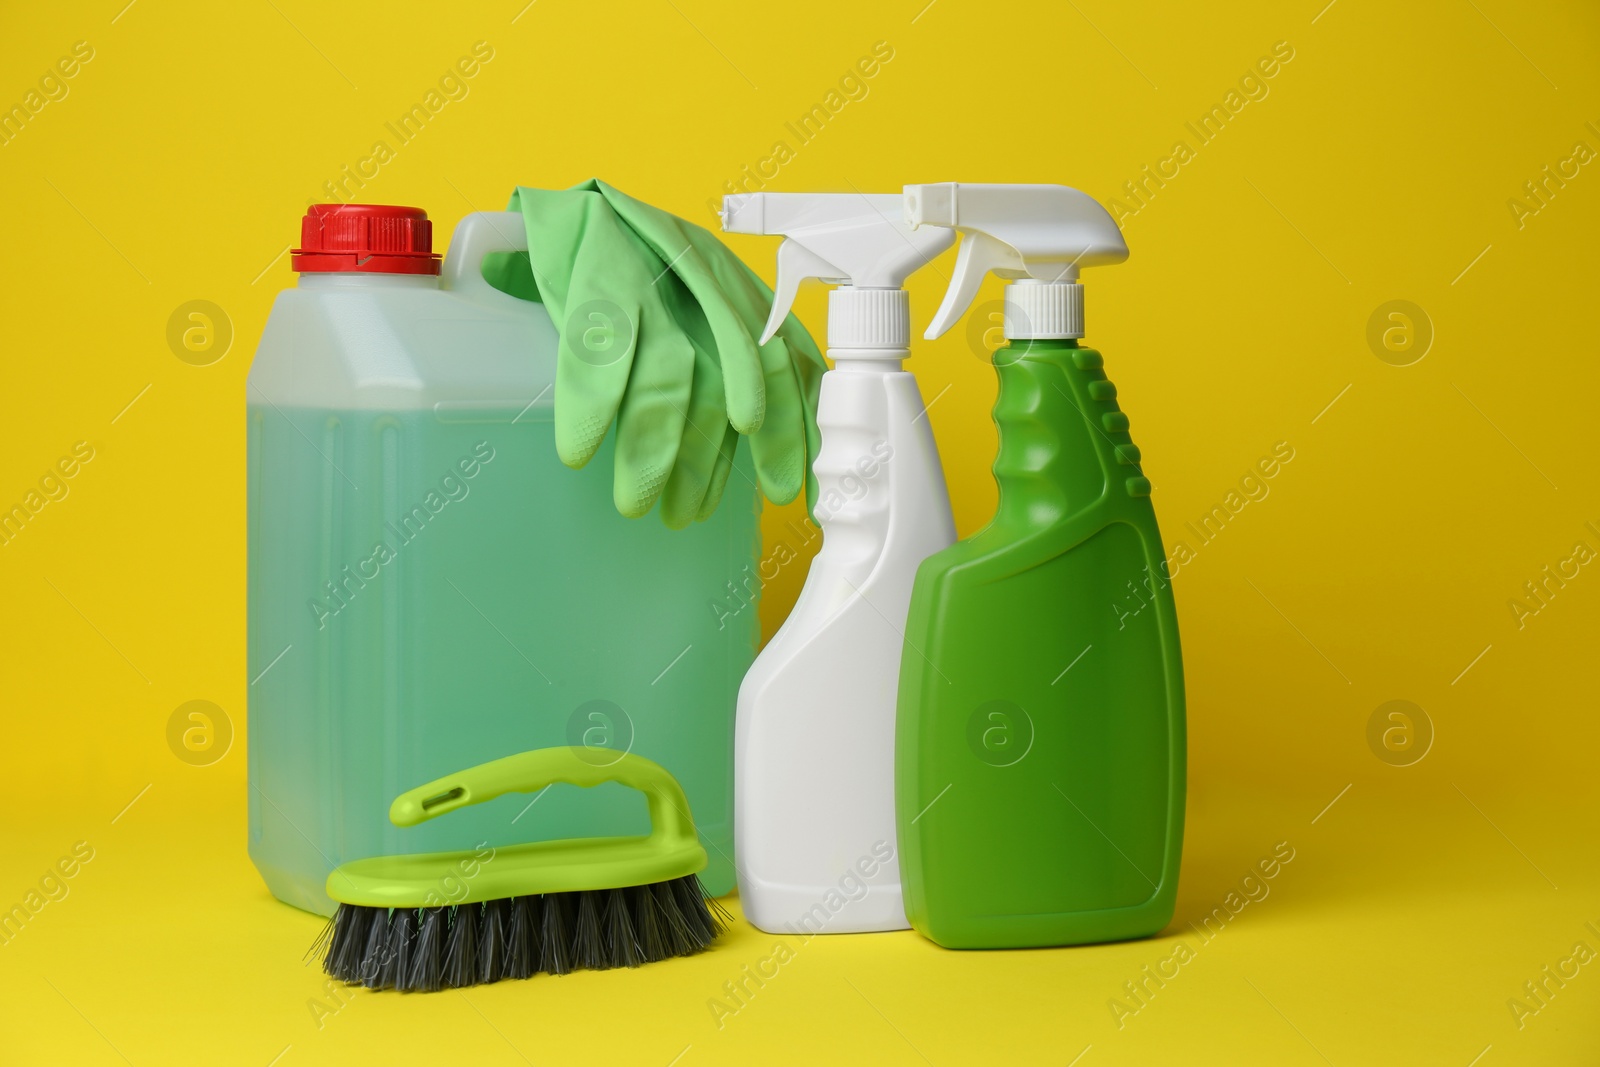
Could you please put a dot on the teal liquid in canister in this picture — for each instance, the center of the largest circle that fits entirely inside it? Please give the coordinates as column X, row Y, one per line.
column 421, row 601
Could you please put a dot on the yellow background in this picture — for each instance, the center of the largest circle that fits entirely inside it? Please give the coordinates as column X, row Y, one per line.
column 1377, row 167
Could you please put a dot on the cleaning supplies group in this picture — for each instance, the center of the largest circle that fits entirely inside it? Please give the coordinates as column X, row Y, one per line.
column 965, row 708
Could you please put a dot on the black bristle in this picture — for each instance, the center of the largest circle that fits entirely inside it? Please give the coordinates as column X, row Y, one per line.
column 621, row 939
column 461, row 947
column 693, row 920
column 691, row 901
column 676, row 928
column 428, row 949
column 371, row 965
column 719, row 918
column 647, row 924
column 588, row 936
column 555, row 934
column 522, row 937
column 351, row 925
column 492, row 941
column 323, row 946
column 394, row 968
column 356, row 948
column 426, row 972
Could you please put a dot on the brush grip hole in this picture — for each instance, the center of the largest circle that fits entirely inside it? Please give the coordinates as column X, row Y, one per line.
column 443, row 798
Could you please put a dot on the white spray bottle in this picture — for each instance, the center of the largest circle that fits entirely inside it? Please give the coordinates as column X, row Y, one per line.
column 814, row 820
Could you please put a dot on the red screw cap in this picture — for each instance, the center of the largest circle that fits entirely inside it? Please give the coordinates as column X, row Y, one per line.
column 366, row 237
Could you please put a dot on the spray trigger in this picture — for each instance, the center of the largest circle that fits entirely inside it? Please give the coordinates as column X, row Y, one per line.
column 796, row 263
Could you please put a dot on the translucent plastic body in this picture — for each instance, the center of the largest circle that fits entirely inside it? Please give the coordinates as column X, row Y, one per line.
column 429, row 588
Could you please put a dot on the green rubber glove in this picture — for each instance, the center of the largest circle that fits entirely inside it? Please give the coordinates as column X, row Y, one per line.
column 771, row 390
column 658, row 321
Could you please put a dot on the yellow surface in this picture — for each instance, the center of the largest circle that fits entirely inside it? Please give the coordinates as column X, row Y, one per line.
column 1384, row 161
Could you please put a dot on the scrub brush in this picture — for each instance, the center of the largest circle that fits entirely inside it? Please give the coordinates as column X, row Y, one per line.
column 550, row 906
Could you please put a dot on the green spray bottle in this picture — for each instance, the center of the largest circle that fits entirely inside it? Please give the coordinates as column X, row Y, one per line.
column 1040, row 748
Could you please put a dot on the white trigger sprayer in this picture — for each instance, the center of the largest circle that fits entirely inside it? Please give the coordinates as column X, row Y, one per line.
column 1034, row 236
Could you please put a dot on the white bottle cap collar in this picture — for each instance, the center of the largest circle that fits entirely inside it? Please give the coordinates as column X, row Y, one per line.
column 1043, row 310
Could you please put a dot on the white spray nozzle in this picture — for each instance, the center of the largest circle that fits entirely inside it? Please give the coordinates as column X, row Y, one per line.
column 1038, row 232
column 862, row 240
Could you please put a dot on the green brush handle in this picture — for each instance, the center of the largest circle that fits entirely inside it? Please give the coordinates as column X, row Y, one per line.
column 529, row 772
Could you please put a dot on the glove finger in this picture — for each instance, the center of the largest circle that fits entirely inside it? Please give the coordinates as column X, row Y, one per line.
column 650, row 423
column 594, row 360
column 700, row 447
column 719, row 475
column 581, row 258
column 793, row 375
column 733, row 332
column 734, row 309
column 779, row 447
